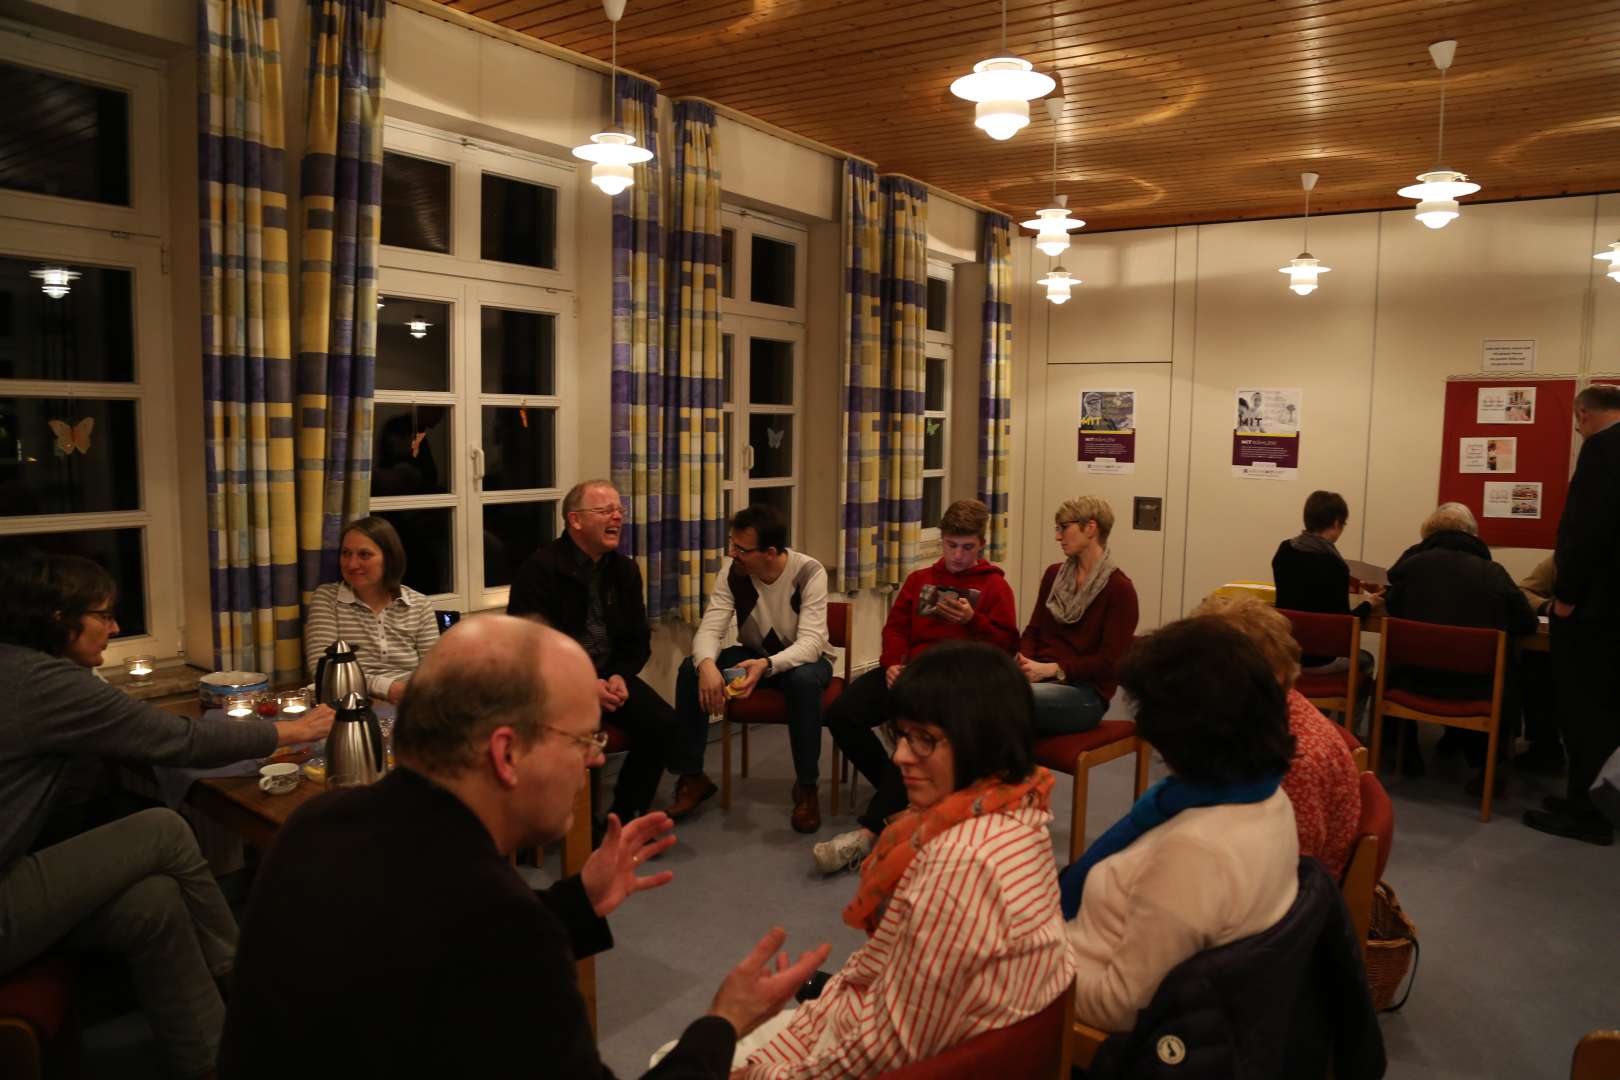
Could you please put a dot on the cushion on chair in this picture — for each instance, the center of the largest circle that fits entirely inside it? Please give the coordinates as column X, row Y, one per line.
column 618, row 739
column 41, row 993
column 1438, row 705
column 1028, row 1050
column 1377, row 819
column 1059, row 751
column 1323, row 686
column 767, row 706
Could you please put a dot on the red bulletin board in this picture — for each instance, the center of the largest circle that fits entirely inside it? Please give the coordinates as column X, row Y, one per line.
column 1543, row 456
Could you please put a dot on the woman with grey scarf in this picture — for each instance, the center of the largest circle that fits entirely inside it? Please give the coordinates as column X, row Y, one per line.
column 1082, row 626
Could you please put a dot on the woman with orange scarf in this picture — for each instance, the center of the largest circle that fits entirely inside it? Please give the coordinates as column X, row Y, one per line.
column 959, row 897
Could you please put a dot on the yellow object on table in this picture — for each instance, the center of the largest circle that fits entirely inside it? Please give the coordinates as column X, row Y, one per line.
column 1260, row 590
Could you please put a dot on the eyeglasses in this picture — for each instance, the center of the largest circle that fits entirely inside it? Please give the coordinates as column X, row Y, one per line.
column 740, row 550
column 922, row 743
column 605, row 511
column 106, row 615
column 596, row 740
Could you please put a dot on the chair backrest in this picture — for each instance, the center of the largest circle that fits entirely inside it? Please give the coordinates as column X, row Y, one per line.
column 1028, row 1050
column 1597, row 1057
column 1465, row 650
column 838, row 623
column 1324, row 635
column 1351, row 743
column 1377, row 819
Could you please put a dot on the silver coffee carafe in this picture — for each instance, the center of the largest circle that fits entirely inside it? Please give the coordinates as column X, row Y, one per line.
column 338, row 674
column 354, row 747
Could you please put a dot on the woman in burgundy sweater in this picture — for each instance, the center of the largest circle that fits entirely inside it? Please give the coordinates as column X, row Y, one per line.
column 1082, row 624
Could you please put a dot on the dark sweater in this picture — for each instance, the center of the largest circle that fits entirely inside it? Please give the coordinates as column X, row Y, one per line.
column 1090, row 649
column 1588, row 552
column 1313, row 581
column 387, row 937
column 60, row 713
column 554, row 583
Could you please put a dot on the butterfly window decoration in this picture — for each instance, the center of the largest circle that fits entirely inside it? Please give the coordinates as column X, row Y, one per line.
column 932, row 427
column 71, row 437
column 774, row 436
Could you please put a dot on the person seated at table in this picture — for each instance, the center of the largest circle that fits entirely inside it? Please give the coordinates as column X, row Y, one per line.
column 137, row 887
column 959, row 897
column 1537, row 688
column 777, row 599
column 1311, row 575
column 1322, row 781
column 423, row 951
column 582, row 585
column 1208, row 855
column 1085, row 615
column 933, row 605
column 389, row 625
column 1449, row 578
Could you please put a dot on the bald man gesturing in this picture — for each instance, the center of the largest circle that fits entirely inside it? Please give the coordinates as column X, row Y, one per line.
column 388, row 934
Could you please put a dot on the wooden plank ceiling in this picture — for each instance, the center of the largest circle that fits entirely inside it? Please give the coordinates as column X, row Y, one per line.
column 1200, row 110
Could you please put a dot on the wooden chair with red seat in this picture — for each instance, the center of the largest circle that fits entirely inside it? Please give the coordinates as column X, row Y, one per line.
column 1078, row 754
column 1358, row 753
column 1597, row 1057
column 1460, row 650
column 1375, row 836
column 1032, row 1049
column 38, row 1026
column 767, row 706
column 1328, row 635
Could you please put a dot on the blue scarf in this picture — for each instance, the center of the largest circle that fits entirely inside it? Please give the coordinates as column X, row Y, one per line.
column 1158, row 804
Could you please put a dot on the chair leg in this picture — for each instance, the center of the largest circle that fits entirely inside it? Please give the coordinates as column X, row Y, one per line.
column 745, row 752
column 725, row 762
column 1375, row 738
column 1077, row 814
column 1144, row 761
column 837, row 772
column 1490, row 776
column 1400, row 745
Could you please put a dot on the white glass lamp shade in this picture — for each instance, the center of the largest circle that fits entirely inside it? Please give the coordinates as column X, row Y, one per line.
column 418, row 328
column 1612, row 257
column 1003, row 87
column 1053, row 226
column 1302, row 272
column 1058, row 282
column 611, row 154
column 55, row 281
column 1437, row 195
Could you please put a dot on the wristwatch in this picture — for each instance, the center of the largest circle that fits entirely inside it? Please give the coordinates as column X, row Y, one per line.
column 770, row 666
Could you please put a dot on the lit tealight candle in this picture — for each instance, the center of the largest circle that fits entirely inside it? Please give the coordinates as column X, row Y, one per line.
column 139, row 667
column 294, row 703
column 239, row 708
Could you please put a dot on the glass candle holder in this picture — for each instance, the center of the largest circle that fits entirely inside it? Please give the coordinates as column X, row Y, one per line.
column 140, row 667
column 294, row 703
column 240, row 706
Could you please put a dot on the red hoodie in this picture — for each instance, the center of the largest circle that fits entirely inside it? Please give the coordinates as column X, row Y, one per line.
column 994, row 622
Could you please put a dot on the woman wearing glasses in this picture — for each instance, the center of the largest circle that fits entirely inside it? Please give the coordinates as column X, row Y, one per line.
column 958, row 899
column 137, row 887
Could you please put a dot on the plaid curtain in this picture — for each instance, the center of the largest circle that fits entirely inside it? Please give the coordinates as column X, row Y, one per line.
column 694, row 528
column 638, row 412
column 861, row 426
column 995, row 381
column 246, row 339
column 340, row 211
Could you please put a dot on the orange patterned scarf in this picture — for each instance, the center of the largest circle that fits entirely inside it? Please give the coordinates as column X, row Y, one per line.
column 909, row 830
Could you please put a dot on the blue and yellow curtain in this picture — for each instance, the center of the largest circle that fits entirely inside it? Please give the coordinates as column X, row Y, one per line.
column 861, row 427
column 694, row 526
column 246, row 339
column 340, row 213
column 995, row 382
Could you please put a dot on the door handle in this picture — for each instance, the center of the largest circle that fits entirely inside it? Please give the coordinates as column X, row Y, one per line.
column 477, row 453
column 749, row 459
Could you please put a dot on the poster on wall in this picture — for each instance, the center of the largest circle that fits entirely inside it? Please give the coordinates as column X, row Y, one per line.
column 1508, row 354
column 1107, row 432
column 1492, row 454
column 1519, row 499
column 1265, row 438
column 1506, row 405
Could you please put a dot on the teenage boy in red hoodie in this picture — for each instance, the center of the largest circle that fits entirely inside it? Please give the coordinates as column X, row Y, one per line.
column 961, row 596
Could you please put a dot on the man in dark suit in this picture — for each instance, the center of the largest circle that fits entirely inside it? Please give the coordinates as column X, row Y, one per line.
column 1586, row 620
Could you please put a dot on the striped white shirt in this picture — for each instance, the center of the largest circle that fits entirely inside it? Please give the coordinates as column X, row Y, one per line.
column 972, row 940
column 389, row 644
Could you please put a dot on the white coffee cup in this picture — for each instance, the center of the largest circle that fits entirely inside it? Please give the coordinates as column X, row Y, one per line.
column 278, row 779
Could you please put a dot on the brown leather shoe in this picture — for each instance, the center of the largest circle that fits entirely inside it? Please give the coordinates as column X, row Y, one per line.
column 806, row 808
column 689, row 791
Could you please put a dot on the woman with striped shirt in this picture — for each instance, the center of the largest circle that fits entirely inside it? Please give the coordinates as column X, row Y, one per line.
column 390, row 625
column 959, row 897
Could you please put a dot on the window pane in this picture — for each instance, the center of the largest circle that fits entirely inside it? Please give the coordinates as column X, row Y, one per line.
column 512, row 532
column 86, row 334
column 415, row 203
column 728, row 347
column 519, row 352
column 939, row 299
column 772, row 272
column 728, row 254
column 933, row 501
column 725, row 503
column 519, row 222
column 520, row 448
column 429, row 553
column 934, row 386
column 772, row 439
column 779, row 497
column 87, row 463
column 406, row 361
column 119, row 552
column 412, row 451
column 62, row 137
column 770, row 372
column 725, row 445
column 933, row 444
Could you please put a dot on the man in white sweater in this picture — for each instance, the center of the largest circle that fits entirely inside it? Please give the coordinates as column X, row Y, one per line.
column 778, row 599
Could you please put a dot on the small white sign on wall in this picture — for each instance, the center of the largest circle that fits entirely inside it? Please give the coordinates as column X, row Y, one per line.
column 1508, row 354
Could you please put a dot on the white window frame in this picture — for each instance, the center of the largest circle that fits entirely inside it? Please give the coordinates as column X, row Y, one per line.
column 133, row 238
column 941, row 345
column 468, row 283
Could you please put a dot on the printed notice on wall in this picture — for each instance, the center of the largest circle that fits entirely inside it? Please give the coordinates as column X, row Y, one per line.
column 1265, row 437
column 1506, row 405
column 1107, row 432
column 1513, row 499
column 1495, row 454
column 1508, row 354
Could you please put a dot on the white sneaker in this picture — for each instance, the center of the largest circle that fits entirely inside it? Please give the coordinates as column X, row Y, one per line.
column 843, row 852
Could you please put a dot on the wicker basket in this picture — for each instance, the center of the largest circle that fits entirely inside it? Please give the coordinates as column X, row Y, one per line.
column 1392, row 949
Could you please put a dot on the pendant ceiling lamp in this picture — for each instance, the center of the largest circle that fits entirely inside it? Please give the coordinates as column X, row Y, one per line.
column 418, row 327
column 612, row 153
column 1612, row 256
column 1303, row 268
column 55, row 281
column 1054, row 224
column 1003, row 87
column 1058, row 282
column 1440, row 188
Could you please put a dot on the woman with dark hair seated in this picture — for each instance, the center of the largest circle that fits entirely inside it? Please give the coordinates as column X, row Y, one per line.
column 1208, row 855
column 958, row 898
column 137, row 887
